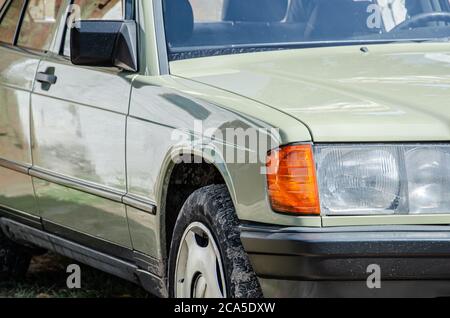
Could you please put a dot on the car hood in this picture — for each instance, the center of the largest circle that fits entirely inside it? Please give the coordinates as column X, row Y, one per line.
column 393, row 92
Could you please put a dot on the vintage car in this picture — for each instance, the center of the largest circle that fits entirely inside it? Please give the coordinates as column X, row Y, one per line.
column 230, row 148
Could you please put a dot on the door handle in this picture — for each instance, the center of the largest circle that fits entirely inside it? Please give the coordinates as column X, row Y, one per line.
column 46, row 78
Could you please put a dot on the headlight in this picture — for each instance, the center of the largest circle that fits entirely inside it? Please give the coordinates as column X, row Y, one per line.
column 428, row 171
column 383, row 179
column 360, row 179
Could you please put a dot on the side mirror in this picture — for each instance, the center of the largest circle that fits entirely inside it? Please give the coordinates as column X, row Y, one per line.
column 104, row 43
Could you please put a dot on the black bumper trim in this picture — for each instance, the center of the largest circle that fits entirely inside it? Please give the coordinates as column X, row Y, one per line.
column 402, row 252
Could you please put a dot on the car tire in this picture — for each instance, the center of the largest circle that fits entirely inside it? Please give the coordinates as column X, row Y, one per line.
column 210, row 213
column 14, row 259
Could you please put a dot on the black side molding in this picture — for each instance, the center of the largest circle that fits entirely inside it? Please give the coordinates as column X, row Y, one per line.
column 23, row 218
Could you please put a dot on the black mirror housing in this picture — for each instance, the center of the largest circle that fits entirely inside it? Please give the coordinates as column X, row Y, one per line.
column 104, row 43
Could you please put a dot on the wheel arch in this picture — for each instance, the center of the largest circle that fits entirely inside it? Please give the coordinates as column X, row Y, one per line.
column 173, row 173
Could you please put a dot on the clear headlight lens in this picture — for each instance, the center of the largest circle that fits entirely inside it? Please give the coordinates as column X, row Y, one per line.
column 428, row 171
column 383, row 179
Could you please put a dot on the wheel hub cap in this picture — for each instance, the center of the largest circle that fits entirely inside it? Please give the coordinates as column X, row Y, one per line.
column 199, row 271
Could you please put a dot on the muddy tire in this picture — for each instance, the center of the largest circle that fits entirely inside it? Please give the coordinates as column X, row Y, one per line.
column 210, row 213
column 14, row 259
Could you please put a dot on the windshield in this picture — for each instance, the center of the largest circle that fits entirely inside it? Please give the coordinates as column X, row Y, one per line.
column 197, row 28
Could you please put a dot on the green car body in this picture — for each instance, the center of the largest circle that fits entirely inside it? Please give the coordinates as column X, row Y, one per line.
column 90, row 158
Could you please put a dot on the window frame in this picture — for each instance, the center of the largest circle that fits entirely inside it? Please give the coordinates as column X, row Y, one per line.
column 19, row 27
column 19, row 22
column 6, row 3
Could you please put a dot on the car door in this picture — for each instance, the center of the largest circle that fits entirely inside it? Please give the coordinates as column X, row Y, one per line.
column 17, row 70
column 78, row 134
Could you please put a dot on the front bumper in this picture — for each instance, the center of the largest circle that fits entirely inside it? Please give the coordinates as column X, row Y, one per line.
column 290, row 262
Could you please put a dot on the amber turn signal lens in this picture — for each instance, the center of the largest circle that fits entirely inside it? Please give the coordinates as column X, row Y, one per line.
column 291, row 178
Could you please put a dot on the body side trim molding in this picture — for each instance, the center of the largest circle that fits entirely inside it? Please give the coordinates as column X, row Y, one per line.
column 95, row 189
column 77, row 184
column 15, row 166
column 139, row 203
column 128, row 199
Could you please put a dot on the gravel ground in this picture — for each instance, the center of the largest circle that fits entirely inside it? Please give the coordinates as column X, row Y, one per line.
column 47, row 277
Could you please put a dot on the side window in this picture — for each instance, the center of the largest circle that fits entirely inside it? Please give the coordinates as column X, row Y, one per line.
column 9, row 21
column 96, row 10
column 39, row 24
